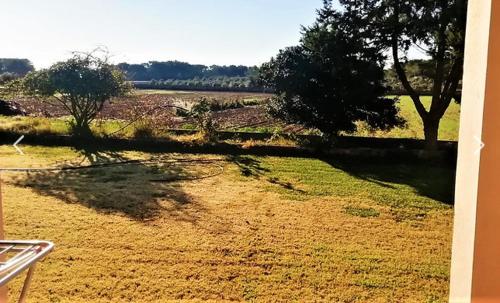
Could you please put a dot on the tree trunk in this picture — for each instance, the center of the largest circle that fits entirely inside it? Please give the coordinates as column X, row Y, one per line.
column 81, row 129
column 431, row 131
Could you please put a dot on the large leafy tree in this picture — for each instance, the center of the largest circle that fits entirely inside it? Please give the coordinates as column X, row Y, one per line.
column 81, row 85
column 332, row 80
column 437, row 27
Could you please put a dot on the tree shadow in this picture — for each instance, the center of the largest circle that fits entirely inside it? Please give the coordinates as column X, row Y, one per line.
column 248, row 166
column 432, row 179
column 435, row 180
column 125, row 189
column 285, row 185
column 251, row 167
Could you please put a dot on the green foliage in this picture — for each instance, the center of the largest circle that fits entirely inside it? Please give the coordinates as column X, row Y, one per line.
column 332, row 80
column 81, row 85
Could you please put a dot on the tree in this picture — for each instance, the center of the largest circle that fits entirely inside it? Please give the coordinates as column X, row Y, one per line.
column 332, row 80
column 17, row 67
column 81, row 85
column 437, row 27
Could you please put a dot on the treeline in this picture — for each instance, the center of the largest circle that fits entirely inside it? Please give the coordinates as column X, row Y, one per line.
column 176, row 75
column 232, row 84
column 176, row 70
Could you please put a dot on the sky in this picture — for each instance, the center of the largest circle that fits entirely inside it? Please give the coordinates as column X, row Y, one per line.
column 223, row 32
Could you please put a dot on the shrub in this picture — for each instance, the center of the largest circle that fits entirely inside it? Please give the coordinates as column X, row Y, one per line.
column 144, row 130
column 81, row 85
column 202, row 113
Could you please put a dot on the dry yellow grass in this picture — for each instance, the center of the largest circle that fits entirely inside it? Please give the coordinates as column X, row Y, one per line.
column 265, row 231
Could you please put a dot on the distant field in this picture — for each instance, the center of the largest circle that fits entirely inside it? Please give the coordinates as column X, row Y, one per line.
column 235, row 111
column 267, row 229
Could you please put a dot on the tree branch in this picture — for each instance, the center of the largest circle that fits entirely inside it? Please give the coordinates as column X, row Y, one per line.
column 63, row 104
column 451, row 86
column 399, row 68
column 440, row 64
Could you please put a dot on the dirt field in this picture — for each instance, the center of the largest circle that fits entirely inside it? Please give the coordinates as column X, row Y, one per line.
column 128, row 108
column 265, row 230
column 249, row 114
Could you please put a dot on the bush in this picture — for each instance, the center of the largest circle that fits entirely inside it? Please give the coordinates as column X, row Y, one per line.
column 144, row 130
column 202, row 113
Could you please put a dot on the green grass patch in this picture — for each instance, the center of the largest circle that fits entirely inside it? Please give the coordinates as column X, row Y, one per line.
column 363, row 212
column 411, row 190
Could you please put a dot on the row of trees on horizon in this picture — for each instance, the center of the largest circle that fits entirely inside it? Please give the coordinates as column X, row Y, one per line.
column 178, row 75
column 177, row 70
column 152, row 70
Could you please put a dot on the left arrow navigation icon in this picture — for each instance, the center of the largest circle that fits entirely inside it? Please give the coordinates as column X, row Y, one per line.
column 16, row 143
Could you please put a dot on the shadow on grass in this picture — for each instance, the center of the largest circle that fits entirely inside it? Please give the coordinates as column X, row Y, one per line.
column 251, row 167
column 122, row 189
column 429, row 179
column 435, row 180
column 248, row 166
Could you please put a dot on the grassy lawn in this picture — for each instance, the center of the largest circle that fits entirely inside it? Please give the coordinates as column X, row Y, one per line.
column 267, row 229
column 448, row 129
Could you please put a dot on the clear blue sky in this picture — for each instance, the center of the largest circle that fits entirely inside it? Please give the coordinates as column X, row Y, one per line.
column 226, row 32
